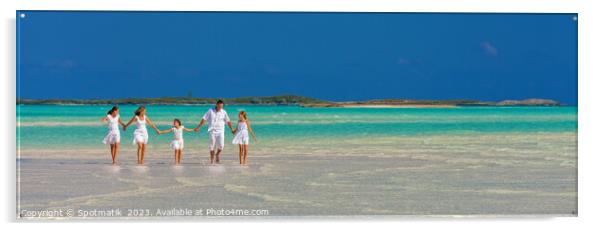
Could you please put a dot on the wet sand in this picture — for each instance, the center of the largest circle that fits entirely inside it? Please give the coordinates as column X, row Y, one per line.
column 494, row 174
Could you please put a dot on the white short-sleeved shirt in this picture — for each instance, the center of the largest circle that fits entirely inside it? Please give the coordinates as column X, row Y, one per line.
column 216, row 120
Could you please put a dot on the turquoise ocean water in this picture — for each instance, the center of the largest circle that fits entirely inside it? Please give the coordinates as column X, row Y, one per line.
column 58, row 126
column 311, row 161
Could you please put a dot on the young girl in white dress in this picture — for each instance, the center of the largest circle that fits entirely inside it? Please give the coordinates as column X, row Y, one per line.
column 178, row 138
column 241, row 137
column 113, row 136
column 140, row 134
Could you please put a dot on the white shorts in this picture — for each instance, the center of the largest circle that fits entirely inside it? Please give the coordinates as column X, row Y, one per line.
column 216, row 140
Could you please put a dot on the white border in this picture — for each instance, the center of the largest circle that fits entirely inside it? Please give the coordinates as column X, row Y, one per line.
column 589, row 109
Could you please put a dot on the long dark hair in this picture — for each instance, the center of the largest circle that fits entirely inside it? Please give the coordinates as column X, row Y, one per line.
column 139, row 110
column 114, row 108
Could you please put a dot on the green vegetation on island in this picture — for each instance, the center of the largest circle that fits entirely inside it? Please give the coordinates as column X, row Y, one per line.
column 294, row 100
column 259, row 100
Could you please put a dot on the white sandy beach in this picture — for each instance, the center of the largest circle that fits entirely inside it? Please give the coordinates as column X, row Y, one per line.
column 504, row 174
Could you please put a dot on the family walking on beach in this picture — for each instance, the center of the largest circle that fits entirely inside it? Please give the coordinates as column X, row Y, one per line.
column 216, row 119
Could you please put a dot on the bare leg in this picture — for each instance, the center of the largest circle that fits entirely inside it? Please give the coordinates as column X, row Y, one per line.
column 179, row 157
column 114, row 153
column 142, row 154
column 175, row 156
column 212, row 154
column 112, row 146
column 139, row 152
column 219, row 151
column 240, row 151
column 246, row 151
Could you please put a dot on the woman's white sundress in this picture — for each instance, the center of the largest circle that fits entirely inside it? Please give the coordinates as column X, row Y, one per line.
column 113, row 136
column 140, row 134
column 242, row 134
column 178, row 138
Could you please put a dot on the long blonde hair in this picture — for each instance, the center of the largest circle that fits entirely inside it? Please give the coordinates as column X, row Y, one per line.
column 139, row 110
column 244, row 114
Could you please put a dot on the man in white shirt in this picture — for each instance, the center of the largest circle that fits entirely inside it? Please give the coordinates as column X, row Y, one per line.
column 216, row 118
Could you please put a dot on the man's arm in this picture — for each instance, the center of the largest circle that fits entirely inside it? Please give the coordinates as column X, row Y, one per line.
column 200, row 125
column 203, row 120
column 230, row 125
column 227, row 119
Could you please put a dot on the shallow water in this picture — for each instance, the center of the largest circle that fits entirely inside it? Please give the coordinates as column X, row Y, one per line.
column 313, row 161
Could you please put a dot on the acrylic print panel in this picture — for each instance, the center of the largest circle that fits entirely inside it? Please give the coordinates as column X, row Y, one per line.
column 367, row 114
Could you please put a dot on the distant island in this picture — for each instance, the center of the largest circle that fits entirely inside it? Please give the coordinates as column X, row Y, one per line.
column 290, row 100
column 434, row 103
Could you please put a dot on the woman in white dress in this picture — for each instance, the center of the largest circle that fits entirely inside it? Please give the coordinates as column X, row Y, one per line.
column 113, row 136
column 178, row 138
column 241, row 137
column 141, row 134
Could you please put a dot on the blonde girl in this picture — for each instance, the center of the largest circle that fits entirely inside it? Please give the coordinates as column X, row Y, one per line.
column 141, row 134
column 241, row 137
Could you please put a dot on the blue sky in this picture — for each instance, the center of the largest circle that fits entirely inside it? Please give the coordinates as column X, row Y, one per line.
column 333, row 56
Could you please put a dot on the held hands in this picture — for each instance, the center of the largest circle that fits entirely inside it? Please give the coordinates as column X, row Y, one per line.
column 197, row 129
column 233, row 131
column 124, row 127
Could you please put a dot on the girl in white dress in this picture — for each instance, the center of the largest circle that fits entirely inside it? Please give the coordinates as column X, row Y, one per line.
column 178, row 138
column 113, row 136
column 241, row 137
column 141, row 134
